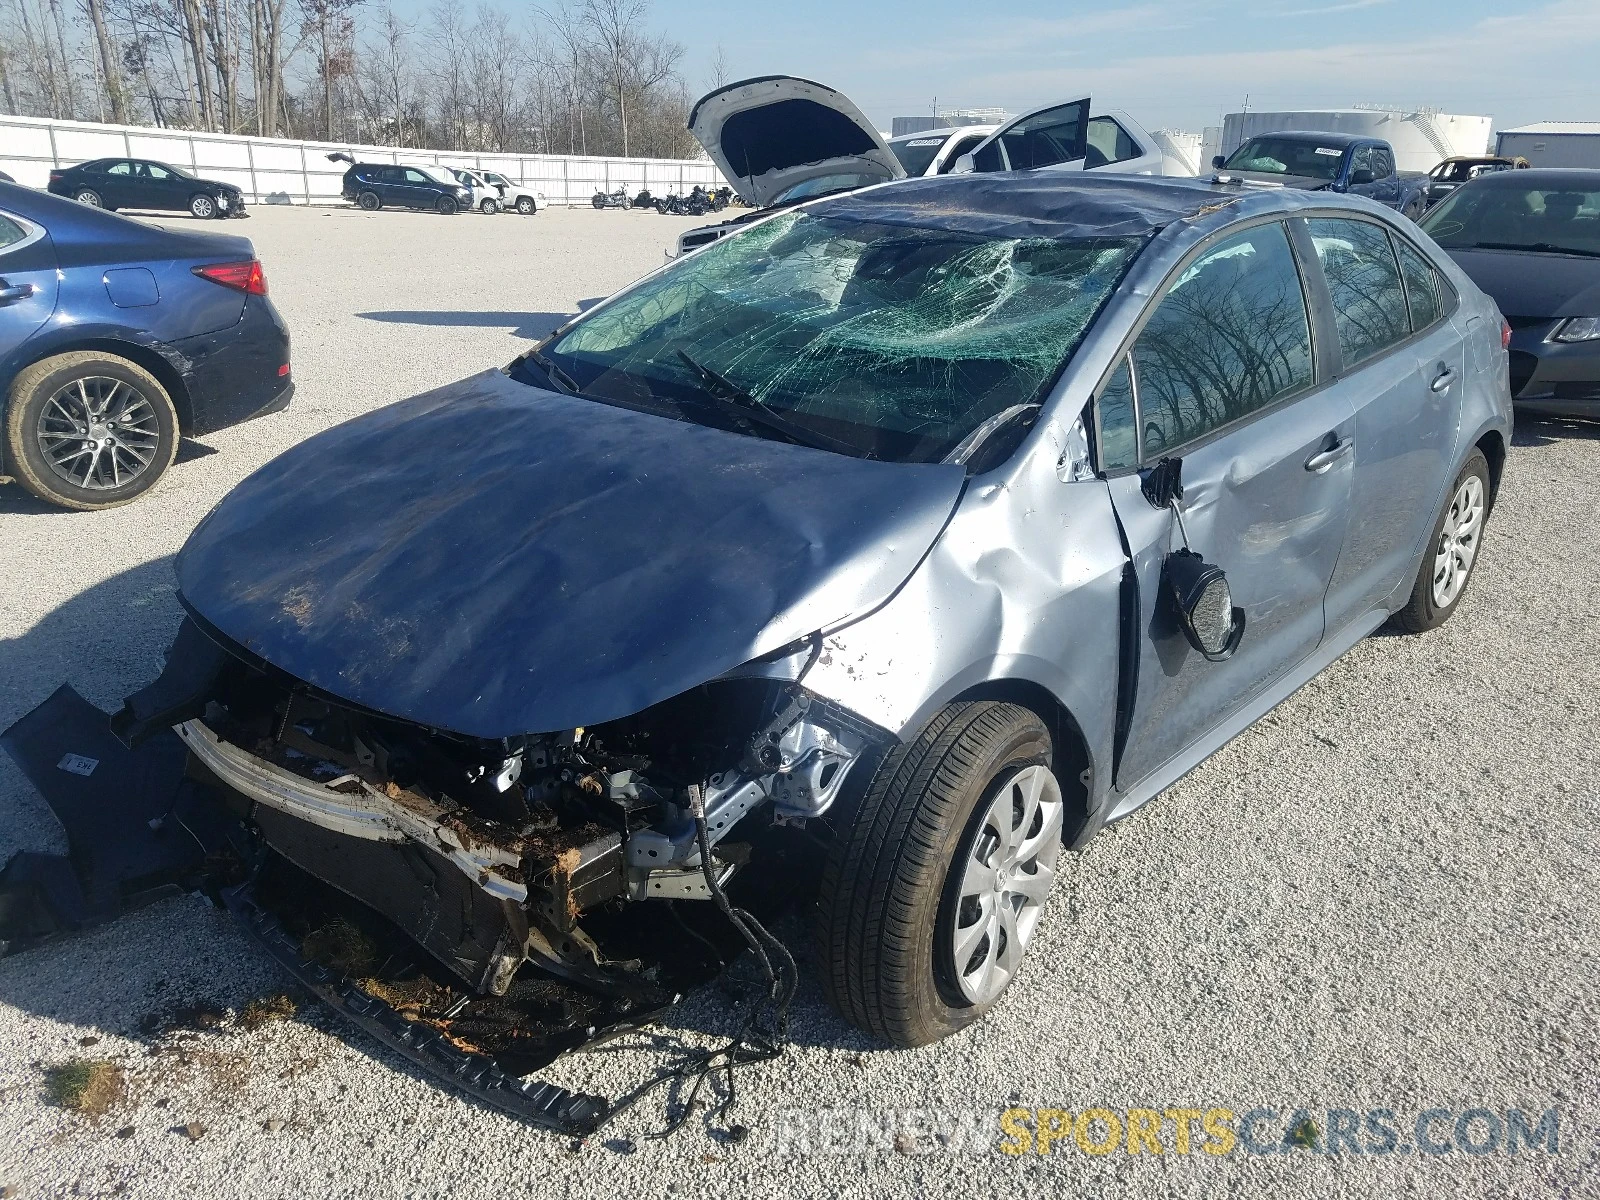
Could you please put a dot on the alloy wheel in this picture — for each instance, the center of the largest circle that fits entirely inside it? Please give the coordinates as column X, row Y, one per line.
column 1458, row 541
column 1007, row 868
column 98, row 433
column 92, row 199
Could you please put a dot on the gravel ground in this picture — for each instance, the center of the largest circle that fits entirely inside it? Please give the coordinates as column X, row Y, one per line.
column 1381, row 896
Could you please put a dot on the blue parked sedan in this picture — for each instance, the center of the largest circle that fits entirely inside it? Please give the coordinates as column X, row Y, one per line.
column 116, row 339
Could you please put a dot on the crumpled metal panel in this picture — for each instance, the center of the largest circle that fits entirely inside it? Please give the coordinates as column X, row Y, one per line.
column 492, row 559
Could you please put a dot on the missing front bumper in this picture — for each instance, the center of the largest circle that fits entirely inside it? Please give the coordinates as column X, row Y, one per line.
column 479, row 1075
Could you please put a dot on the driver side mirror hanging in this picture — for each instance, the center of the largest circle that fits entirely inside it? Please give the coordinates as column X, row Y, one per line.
column 1199, row 589
column 1205, row 605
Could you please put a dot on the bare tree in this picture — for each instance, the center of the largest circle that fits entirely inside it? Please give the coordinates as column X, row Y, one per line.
column 717, row 76
column 328, row 26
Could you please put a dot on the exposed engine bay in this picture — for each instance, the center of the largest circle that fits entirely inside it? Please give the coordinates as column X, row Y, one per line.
column 495, row 854
column 481, row 906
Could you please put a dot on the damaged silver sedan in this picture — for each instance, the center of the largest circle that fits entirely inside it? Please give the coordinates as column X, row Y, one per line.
column 875, row 557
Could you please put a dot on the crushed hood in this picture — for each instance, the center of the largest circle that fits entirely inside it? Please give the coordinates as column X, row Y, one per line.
column 492, row 559
column 768, row 134
column 1526, row 283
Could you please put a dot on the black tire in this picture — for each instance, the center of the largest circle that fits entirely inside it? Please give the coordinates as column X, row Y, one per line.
column 526, row 206
column 447, row 206
column 369, row 201
column 1422, row 611
column 490, row 207
column 599, row 201
column 887, row 894
column 90, row 197
column 202, row 207
column 32, row 390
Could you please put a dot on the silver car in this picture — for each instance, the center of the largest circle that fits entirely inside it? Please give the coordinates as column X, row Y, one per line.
column 923, row 531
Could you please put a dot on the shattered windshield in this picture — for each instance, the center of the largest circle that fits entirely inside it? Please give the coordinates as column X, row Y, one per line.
column 896, row 341
column 1286, row 156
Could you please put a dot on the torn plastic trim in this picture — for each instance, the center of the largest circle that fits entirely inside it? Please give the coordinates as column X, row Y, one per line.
column 544, row 1104
column 361, row 811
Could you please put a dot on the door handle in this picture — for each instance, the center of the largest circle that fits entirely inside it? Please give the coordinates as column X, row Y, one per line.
column 1323, row 459
column 8, row 294
column 1443, row 380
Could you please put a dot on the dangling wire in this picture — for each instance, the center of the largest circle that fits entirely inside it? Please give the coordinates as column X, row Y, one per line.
column 756, row 1041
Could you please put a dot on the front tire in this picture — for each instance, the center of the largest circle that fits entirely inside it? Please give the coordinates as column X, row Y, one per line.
column 491, row 207
column 89, row 430
column 925, row 907
column 369, row 201
column 447, row 206
column 1451, row 553
column 526, row 206
column 202, row 207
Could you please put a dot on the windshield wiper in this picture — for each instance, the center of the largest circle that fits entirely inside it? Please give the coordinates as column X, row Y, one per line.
column 747, row 409
column 1545, row 247
column 557, row 376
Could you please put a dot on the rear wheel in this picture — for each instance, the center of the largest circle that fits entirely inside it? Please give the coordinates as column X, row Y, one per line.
column 1448, row 560
column 369, row 201
column 447, row 206
column 202, row 206
column 90, row 197
column 525, row 205
column 490, row 206
column 89, row 430
column 599, row 201
column 933, row 890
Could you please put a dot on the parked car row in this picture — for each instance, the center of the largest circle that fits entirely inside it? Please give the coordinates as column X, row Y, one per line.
column 433, row 188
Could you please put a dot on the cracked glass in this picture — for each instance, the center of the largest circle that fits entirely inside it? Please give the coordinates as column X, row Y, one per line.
column 895, row 340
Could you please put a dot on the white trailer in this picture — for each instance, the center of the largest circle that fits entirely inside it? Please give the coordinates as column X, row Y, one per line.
column 1552, row 143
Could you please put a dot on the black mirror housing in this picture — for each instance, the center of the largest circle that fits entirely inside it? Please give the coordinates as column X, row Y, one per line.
column 1205, row 606
column 1219, row 161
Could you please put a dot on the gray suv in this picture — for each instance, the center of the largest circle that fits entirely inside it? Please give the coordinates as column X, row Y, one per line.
column 931, row 528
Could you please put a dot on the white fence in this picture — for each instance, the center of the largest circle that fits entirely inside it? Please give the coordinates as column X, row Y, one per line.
column 281, row 171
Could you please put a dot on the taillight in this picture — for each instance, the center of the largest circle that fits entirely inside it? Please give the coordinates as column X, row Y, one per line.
column 1505, row 334
column 247, row 277
column 55, row 176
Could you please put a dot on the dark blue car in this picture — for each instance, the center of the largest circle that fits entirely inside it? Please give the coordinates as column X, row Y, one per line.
column 116, row 339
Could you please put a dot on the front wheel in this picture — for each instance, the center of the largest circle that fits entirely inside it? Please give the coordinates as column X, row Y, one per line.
column 202, row 206
column 934, row 888
column 490, row 206
column 1448, row 560
column 525, row 205
column 447, row 206
column 89, row 430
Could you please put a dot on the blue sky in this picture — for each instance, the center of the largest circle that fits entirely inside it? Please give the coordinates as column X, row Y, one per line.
column 1169, row 62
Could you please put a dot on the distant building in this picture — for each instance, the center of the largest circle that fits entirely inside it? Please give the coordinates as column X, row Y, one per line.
column 1553, row 143
column 1421, row 137
column 955, row 116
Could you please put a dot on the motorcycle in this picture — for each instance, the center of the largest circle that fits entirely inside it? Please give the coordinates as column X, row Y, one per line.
column 696, row 204
column 616, row 199
column 644, row 199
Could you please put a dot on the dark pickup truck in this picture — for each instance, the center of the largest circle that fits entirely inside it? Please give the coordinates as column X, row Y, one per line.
column 1337, row 162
